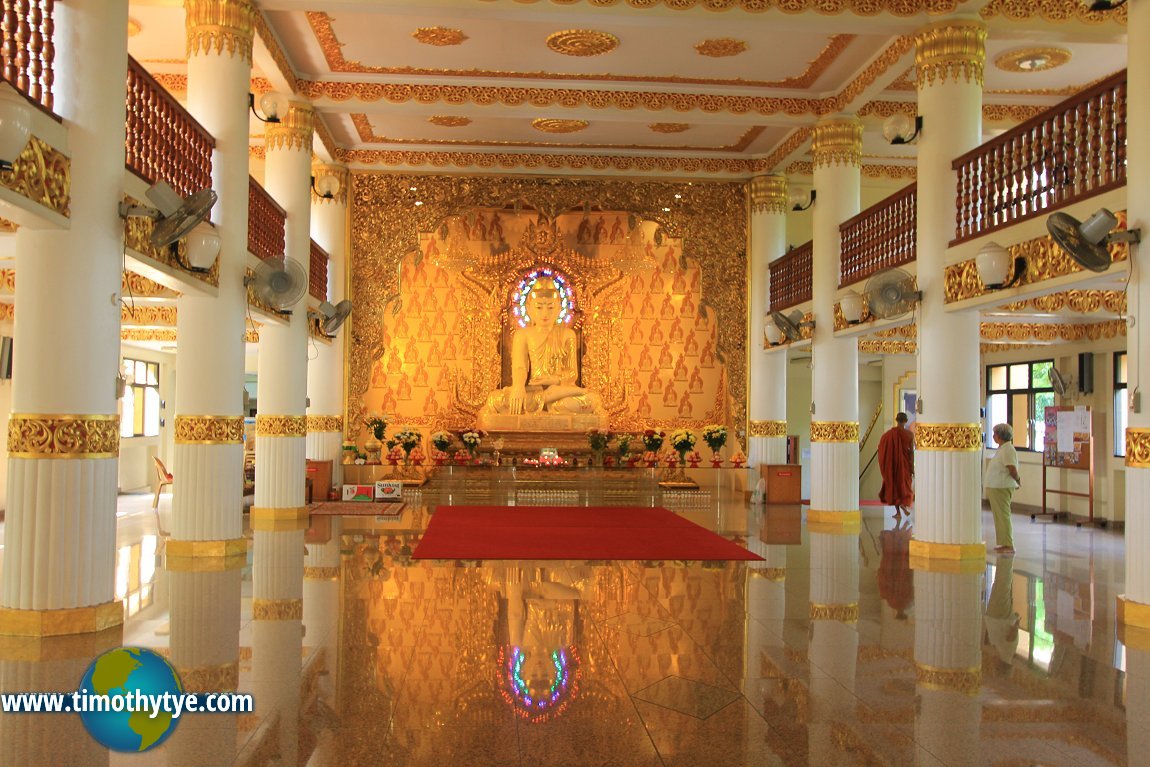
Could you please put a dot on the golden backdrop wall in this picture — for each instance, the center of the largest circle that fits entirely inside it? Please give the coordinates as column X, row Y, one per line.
column 658, row 273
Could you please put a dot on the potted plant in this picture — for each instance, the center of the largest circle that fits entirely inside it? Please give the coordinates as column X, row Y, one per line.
column 715, row 435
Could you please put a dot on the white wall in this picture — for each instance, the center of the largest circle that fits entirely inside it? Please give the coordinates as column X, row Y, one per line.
column 5, row 411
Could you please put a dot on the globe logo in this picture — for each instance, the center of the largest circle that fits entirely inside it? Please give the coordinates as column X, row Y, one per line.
column 126, row 673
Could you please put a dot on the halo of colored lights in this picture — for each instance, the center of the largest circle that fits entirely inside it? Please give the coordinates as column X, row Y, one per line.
column 539, row 707
column 523, row 288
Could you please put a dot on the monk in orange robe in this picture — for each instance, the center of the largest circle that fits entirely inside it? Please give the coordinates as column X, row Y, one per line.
column 896, row 464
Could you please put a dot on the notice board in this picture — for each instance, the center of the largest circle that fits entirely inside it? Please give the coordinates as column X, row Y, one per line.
column 1067, row 443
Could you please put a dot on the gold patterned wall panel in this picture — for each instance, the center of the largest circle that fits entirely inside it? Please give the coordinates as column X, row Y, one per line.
column 664, row 344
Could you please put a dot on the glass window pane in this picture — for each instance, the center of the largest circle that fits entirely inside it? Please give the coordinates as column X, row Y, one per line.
column 1040, row 375
column 153, row 374
column 1020, row 420
column 128, row 370
column 151, row 411
column 998, row 377
column 138, row 410
column 1120, row 376
column 141, row 371
column 995, row 413
column 1042, row 400
column 126, row 417
column 1120, row 422
column 1020, row 376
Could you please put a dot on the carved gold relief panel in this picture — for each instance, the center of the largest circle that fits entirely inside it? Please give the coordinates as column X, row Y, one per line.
column 664, row 343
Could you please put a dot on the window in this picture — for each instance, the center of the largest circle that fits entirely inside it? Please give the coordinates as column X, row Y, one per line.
column 1120, row 408
column 1018, row 394
column 140, row 415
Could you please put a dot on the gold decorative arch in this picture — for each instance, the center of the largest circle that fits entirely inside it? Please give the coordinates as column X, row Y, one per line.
column 389, row 213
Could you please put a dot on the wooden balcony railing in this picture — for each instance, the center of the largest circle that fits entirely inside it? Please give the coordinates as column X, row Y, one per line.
column 317, row 272
column 27, row 49
column 266, row 219
column 881, row 236
column 791, row 277
column 163, row 141
column 1072, row 151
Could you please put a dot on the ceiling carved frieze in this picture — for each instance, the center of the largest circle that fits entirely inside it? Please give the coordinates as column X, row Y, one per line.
column 1081, row 301
column 807, row 168
column 994, row 112
column 1051, row 10
column 503, row 161
column 902, row 8
column 382, row 234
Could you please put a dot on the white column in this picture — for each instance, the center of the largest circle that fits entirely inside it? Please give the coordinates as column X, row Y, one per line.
column 767, row 432
column 948, row 439
column 1136, row 611
column 948, row 662
column 325, row 372
column 208, row 457
column 834, row 642
column 1137, row 695
column 282, row 370
column 63, row 436
column 837, row 150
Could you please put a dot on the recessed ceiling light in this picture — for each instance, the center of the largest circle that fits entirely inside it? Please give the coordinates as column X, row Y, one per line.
column 1032, row 59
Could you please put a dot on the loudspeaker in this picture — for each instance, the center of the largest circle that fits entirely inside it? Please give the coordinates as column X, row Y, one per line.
column 1086, row 373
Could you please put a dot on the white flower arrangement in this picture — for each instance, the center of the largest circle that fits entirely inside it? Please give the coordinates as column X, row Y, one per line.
column 715, row 435
column 683, row 440
column 441, row 440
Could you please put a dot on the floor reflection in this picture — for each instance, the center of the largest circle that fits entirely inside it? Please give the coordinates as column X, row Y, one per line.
column 829, row 651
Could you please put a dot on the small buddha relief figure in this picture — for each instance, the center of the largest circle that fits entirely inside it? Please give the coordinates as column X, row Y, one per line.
column 670, row 396
column 690, row 345
column 625, row 358
column 440, row 279
column 667, row 310
column 707, row 357
column 431, row 403
column 617, row 230
column 403, row 390
column 452, row 304
column 669, row 263
column 583, row 233
column 411, row 356
column 680, row 369
column 703, row 320
column 688, row 307
column 439, row 325
column 431, row 250
column 694, row 280
column 420, row 378
column 629, row 308
column 496, row 228
column 544, row 362
column 637, row 336
column 675, row 334
column 637, row 284
column 645, row 361
column 378, row 376
column 443, row 380
column 665, row 357
column 656, row 284
column 643, row 408
column 600, row 230
column 685, row 405
column 696, row 383
column 414, row 304
column 679, row 284
column 647, row 310
column 389, row 403
column 656, row 337
column 655, row 382
column 419, row 276
column 401, row 329
column 479, row 228
column 449, row 352
column 394, row 363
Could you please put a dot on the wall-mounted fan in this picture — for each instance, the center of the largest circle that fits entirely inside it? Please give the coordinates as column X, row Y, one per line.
column 279, row 285
column 1062, row 384
column 175, row 216
column 891, row 293
column 333, row 316
column 1086, row 242
column 791, row 325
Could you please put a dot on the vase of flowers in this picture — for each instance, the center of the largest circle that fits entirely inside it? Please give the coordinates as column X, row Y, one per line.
column 408, row 440
column 715, row 435
column 683, row 441
column 441, row 441
column 471, row 440
column 653, row 442
column 598, row 440
column 376, row 427
column 623, row 449
column 350, row 453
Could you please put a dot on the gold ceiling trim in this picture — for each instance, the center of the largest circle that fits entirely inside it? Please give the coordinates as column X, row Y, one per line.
column 669, row 127
column 888, row 347
column 257, row 151
column 1044, row 261
column 362, row 124
column 321, row 26
column 1051, row 10
column 219, row 25
column 1021, row 332
column 160, row 335
column 8, row 281
column 1082, row 301
column 582, row 42
column 144, row 316
column 721, row 47
column 382, row 235
column 324, row 135
column 768, row 194
column 35, row 435
column 443, row 121
column 43, row 174
column 539, row 161
column 903, row 8
column 1033, row 59
column 993, row 112
column 439, row 36
column 553, row 125
column 264, row 32
column 788, row 146
column 887, row 59
column 136, row 285
column 951, row 49
column 807, row 168
column 177, row 82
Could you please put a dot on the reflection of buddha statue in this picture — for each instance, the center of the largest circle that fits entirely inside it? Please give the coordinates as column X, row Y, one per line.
column 544, row 362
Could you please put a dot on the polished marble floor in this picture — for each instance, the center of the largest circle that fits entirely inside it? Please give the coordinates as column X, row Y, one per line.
column 831, row 651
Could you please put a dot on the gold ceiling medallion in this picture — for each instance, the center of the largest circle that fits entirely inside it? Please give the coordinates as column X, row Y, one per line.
column 549, row 125
column 669, row 127
column 439, row 36
column 1032, row 59
column 721, row 47
column 449, row 121
column 582, row 42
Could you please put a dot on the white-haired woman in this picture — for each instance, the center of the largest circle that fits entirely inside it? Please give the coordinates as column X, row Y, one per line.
column 1001, row 481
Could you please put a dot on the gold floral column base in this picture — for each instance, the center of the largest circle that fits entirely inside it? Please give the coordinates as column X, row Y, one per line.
column 214, row 549
column 968, row 681
column 947, row 557
column 51, row 623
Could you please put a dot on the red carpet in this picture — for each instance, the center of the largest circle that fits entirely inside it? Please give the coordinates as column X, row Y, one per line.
column 570, row 532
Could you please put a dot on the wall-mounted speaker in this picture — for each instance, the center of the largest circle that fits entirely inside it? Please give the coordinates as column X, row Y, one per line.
column 1086, row 373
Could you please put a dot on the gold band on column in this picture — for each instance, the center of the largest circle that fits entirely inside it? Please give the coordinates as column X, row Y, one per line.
column 277, row 609
column 219, row 25
column 33, row 435
column 768, row 194
column 950, row 49
column 322, row 423
column 72, row 620
column 1138, row 448
column 223, row 548
column 767, row 429
column 835, row 431
column 847, row 613
column 320, row 573
column 221, row 677
column 1133, row 624
column 774, row 574
column 837, row 141
column 956, row 437
column 281, row 426
column 278, row 520
column 832, row 518
column 965, row 680
column 947, row 557
column 209, row 429
column 293, row 131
